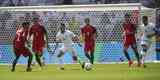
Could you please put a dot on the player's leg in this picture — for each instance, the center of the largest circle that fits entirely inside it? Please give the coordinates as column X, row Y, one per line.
column 92, row 57
column 27, row 53
column 134, row 47
column 125, row 48
column 143, row 54
column 29, row 63
column 76, row 59
column 38, row 58
column 60, row 57
column 17, row 55
column 43, row 60
column 33, row 61
column 87, row 55
column 86, row 51
column 38, row 50
column 92, row 54
column 14, row 63
column 74, row 55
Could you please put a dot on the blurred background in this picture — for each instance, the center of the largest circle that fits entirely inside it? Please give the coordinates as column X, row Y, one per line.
column 148, row 3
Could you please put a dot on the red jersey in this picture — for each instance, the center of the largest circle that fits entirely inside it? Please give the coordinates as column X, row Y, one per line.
column 129, row 34
column 21, row 37
column 89, row 31
column 129, row 29
column 38, row 32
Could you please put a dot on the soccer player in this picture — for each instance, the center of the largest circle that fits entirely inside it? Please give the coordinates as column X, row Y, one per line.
column 40, row 40
column 66, row 38
column 88, row 33
column 129, row 40
column 19, row 43
column 147, row 31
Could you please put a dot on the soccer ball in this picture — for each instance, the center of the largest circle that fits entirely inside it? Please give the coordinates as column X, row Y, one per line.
column 88, row 66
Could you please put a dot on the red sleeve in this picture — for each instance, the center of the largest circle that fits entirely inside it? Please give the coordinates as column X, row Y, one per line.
column 134, row 26
column 94, row 30
column 82, row 30
column 44, row 30
column 26, row 34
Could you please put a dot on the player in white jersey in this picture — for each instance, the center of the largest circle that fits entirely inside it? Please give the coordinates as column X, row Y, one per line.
column 66, row 38
column 147, row 31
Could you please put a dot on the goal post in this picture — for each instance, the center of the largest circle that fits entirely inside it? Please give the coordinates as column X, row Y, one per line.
column 93, row 7
column 107, row 18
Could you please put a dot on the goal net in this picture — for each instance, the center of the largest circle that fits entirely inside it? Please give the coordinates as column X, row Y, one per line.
column 106, row 18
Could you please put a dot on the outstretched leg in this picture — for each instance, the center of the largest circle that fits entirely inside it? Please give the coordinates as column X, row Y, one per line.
column 60, row 56
column 88, row 56
column 29, row 63
column 143, row 55
column 127, row 56
column 92, row 57
column 134, row 47
column 38, row 59
column 14, row 63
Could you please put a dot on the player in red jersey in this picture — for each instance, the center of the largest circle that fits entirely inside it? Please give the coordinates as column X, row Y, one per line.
column 88, row 33
column 129, row 39
column 19, row 43
column 39, row 41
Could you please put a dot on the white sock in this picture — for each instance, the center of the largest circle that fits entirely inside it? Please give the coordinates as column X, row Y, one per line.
column 143, row 53
column 34, row 60
column 61, row 63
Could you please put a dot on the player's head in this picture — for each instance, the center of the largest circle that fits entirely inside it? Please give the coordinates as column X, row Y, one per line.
column 127, row 17
column 25, row 24
column 35, row 20
column 145, row 20
column 62, row 28
column 87, row 21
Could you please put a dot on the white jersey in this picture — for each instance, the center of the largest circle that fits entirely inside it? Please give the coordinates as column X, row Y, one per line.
column 148, row 29
column 65, row 37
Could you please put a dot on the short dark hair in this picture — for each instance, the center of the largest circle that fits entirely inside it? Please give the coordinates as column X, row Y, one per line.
column 25, row 23
column 35, row 19
column 127, row 15
column 62, row 24
column 145, row 17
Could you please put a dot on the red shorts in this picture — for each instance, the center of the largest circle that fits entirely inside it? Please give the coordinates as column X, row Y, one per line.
column 129, row 41
column 89, row 47
column 22, row 51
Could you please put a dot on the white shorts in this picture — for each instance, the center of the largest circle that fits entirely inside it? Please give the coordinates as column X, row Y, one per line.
column 144, row 42
column 69, row 49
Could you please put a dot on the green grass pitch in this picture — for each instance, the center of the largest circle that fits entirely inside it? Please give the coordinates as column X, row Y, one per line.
column 74, row 72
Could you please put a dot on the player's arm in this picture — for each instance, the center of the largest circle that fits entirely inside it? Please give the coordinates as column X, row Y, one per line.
column 29, row 37
column 140, row 31
column 123, row 30
column 30, row 34
column 135, row 28
column 27, row 42
column 46, row 38
column 95, row 33
column 82, row 36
